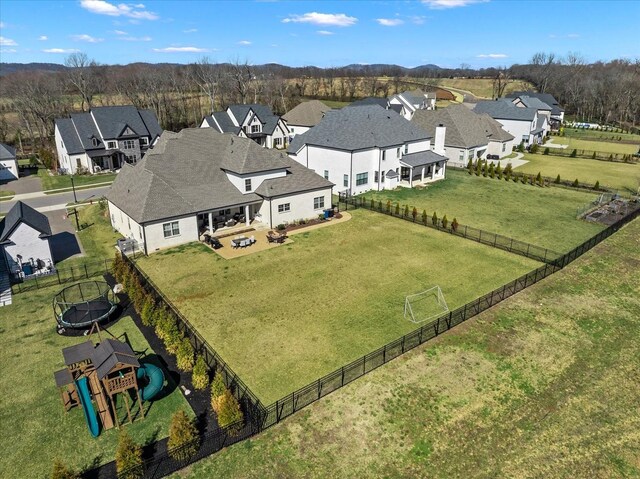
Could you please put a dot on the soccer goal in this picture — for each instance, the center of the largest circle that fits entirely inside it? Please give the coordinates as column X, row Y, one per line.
column 428, row 304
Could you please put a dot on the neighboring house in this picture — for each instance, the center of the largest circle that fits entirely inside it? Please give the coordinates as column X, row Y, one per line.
column 199, row 180
column 252, row 121
column 500, row 141
column 384, row 103
column 523, row 123
column 369, row 148
column 466, row 132
column 557, row 112
column 24, row 242
column 104, row 138
column 304, row 116
column 8, row 163
column 412, row 101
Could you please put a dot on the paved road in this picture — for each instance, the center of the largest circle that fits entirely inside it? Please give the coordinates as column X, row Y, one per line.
column 56, row 201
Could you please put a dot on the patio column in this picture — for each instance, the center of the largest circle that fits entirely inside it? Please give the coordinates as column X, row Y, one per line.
column 210, row 222
column 433, row 170
column 247, row 220
column 411, row 177
column 422, row 175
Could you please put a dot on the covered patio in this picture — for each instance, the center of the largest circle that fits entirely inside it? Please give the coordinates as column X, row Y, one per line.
column 422, row 167
column 105, row 160
column 226, row 219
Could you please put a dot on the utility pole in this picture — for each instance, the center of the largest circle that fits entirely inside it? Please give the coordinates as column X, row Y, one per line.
column 73, row 186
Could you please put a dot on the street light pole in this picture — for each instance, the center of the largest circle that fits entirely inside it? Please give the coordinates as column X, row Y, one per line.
column 75, row 199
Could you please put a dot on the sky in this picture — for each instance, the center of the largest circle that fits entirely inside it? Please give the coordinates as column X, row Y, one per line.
column 448, row 33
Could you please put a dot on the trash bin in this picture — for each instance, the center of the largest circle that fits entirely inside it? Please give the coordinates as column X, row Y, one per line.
column 327, row 213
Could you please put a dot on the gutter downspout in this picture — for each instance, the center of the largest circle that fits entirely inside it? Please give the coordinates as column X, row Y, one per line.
column 351, row 175
column 379, row 167
column 144, row 239
column 270, row 214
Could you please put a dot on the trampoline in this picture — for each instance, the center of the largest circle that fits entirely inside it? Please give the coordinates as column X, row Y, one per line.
column 82, row 304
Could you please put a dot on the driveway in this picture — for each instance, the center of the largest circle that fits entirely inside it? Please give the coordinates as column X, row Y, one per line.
column 64, row 242
column 25, row 184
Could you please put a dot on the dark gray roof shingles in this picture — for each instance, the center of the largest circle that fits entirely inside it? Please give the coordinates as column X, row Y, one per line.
column 464, row 127
column 7, row 152
column 505, row 110
column 23, row 213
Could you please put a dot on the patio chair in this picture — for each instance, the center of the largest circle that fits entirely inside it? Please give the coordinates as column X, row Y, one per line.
column 252, row 239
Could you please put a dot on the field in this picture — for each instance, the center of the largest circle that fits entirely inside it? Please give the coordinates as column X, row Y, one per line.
column 64, row 181
column 35, row 427
column 589, row 145
column 619, row 176
column 284, row 317
column 479, row 87
column 543, row 217
column 596, row 135
column 543, row 385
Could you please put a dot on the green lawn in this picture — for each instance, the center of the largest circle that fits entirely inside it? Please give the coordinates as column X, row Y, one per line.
column 541, row 216
column 589, row 145
column 544, row 385
column 6, row 195
column 619, row 176
column 286, row 316
column 599, row 135
column 64, row 181
column 35, row 427
column 335, row 103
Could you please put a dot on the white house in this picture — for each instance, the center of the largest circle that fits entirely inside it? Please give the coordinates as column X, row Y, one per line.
column 412, row 101
column 369, row 148
column 104, row 138
column 8, row 163
column 522, row 122
column 24, row 241
column 557, row 112
column 304, row 116
column 199, row 180
column 252, row 121
column 500, row 142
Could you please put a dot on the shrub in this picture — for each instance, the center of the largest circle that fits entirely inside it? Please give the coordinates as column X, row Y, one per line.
column 557, row 180
column 534, row 148
column 478, row 167
column 406, row 211
column 470, row 166
column 574, row 153
column 218, row 389
column 445, row 221
column 183, row 436
column 434, row 219
column 397, row 208
column 229, row 410
column 576, row 183
column 610, row 157
column 388, row 206
column 499, row 171
column 281, row 227
column 184, row 355
column 200, row 376
column 454, row 224
column 546, row 151
column 531, row 180
column 379, row 205
column 485, row 168
column 492, row 171
column 414, row 213
column 425, row 217
column 539, row 179
column 60, row 471
column 593, row 156
column 117, row 267
column 520, row 147
column 508, row 169
column 148, row 311
column 597, row 186
column 128, row 457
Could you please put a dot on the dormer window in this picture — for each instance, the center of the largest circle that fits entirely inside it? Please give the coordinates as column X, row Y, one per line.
column 406, row 149
column 112, row 145
column 255, row 128
column 94, row 141
column 247, row 185
column 144, row 141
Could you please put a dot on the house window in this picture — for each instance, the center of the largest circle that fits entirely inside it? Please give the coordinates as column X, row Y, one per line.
column 318, row 202
column 461, row 155
column 129, row 223
column 345, row 181
column 128, row 144
column 504, row 147
column 362, row 179
column 255, row 128
column 112, row 145
column 277, row 141
column 398, row 154
column 406, row 149
column 132, row 158
column 94, row 141
column 247, row 184
column 284, row 207
column 375, row 177
column 384, row 155
column 326, row 174
column 382, row 179
column 171, row 229
column 471, row 152
column 144, row 141
column 140, row 232
column 62, row 144
column 291, row 129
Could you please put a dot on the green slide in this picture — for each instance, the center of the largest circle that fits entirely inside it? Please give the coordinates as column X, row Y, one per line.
column 87, row 406
column 155, row 378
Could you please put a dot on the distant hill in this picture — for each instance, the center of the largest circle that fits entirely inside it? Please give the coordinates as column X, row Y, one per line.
column 7, row 68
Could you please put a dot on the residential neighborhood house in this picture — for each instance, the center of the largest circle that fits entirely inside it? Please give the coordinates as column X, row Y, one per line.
column 104, row 138
column 251, row 121
column 557, row 112
column 24, row 242
column 412, row 101
column 304, row 116
column 468, row 135
column 200, row 179
column 369, row 148
column 524, row 123
column 8, row 163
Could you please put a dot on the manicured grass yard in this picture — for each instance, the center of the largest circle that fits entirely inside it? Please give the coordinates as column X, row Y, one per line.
column 35, row 427
column 596, row 135
column 64, row 181
column 284, row 317
column 544, row 385
column 588, row 145
column 541, row 216
column 620, row 176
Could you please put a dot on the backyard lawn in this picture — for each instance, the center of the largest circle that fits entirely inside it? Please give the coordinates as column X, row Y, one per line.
column 284, row 317
column 544, row 385
column 35, row 427
column 596, row 135
column 541, row 216
column 64, row 181
column 621, row 176
column 589, row 145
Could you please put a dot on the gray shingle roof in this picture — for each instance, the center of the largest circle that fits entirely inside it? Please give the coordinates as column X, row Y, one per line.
column 392, row 174
column 464, row 127
column 7, row 152
column 422, row 158
column 539, row 128
column 185, row 174
column 23, row 213
column 505, row 110
column 221, row 121
column 494, row 129
column 532, row 102
column 264, row 113
column 69, row 135
column 111, row 120
column 547, row 98
column 308, row 113
column 298, row 179
column 358, row 129
column 111, row 352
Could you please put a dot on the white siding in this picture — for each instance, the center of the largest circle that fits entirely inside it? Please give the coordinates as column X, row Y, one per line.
column 301, row 206
column 256, row 179
column 495, row 148
column 28, row 244
column 154, row 233
column 520, row 129
column 297, row 130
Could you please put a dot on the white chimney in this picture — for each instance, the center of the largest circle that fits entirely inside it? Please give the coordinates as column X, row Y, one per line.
column 438, row 145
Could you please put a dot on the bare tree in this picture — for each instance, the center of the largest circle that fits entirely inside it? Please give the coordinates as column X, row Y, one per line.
column 206, row 75
column 81, row 73
column 242, row 75
column 500, row 82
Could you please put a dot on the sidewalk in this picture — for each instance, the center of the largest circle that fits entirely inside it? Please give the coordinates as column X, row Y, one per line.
column 39, row 194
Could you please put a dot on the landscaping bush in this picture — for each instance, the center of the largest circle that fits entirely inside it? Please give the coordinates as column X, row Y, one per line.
column 539, row 179
column 148, row 311
column 379, row 205
column 593, row 156
column 218, row 389
column 508, row 170
column 388, row 206
column 576, row 183
column 200, row 376
column 397, row 209
column 414, row 213
column 499, row 171
column 183, row 437
column 597, row 186
column 558, row 180
column 406, row 211
column 546, row 151
column 534, row 148
column 60, row 471
column 434, row 219
column 425, row 217
column 574, row 153
column 492, row 171
column 445, row 221
column 373, row 203
column 128, row 456
column 281, row 227
column 118, row 267
column 184, row 355
column 470, row 166
column 454, row 224
column 478, row 167
column 229, row 410
column 520, row 147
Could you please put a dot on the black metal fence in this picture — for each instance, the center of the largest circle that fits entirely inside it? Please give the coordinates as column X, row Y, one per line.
column 63, row 275
column 505, row 243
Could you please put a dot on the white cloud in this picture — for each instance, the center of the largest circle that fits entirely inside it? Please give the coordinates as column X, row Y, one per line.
column 568, row 35
column 324, row 32
column 120, row 32
column 573, row 35
column 443, row 4
column 135, row 11
column 59, row 50
column 2, row 24
column 86, row 38
column 8, row 50
column 136, row 39
column 190, row 30
column 7, row 42
column 389, row 22
column 244, row 42
column 315, row 18
column 180, row 50
column 43, row 38
column 491, row 55
column 274, row 45
column 417, row 19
